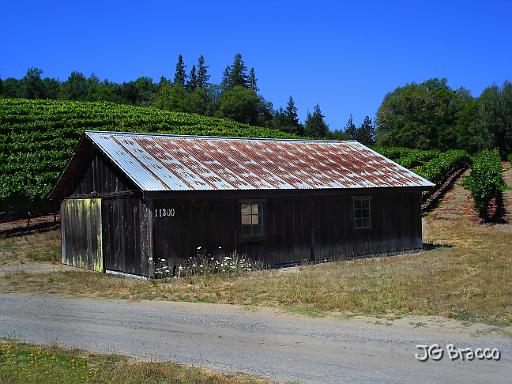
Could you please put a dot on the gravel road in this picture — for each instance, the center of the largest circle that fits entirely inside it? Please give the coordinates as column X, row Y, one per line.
column 228, row 338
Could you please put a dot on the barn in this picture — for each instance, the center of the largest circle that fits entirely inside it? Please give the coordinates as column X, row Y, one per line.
column 130, row 199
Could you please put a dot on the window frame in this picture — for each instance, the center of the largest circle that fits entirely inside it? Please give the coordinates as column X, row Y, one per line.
column 261, row 216
column 361, row 227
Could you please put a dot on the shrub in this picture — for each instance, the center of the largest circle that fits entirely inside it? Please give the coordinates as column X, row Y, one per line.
column 509, row 158
column 485, row 181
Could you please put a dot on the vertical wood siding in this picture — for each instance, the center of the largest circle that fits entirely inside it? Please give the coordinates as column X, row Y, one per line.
column 82, row 233
column 297, row 229
column 125, row 235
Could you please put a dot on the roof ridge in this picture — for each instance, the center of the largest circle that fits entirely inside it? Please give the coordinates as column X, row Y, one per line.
column 223, row 137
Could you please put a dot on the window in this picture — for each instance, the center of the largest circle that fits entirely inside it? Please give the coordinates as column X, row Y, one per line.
column 362, row 212
column 252, row 219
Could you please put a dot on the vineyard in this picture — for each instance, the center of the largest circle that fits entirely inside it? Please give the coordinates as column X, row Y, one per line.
column 433, row 164
column 39, row 136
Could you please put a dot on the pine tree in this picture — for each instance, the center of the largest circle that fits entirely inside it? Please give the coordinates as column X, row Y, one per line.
column 163, row 80
column 180, row 76
column 350, row 129
column 366, row 132
column 202, row 73
column 251, row 80
column 226, row 79
column 238, row 72
column 315, row 124
column 292, row 118
column 192, row 79
column 287, row 119
column 236, row 75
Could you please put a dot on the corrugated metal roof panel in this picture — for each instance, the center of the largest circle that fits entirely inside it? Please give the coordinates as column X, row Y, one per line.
column 195, row 163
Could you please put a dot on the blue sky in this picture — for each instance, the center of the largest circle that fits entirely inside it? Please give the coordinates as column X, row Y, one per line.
column 343, row 55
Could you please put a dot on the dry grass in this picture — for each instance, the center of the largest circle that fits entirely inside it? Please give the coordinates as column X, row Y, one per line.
column 468, row 278
column 44, row 246
column 25, row 363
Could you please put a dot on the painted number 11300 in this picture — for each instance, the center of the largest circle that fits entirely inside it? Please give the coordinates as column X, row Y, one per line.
column 164, row 212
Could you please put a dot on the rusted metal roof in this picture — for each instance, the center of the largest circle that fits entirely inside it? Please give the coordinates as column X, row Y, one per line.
column 197, row 163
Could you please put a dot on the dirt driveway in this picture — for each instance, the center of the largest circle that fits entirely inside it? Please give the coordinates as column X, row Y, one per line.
column 279, row 346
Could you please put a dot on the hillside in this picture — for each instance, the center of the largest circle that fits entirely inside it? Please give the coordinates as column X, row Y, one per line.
column 39, row 136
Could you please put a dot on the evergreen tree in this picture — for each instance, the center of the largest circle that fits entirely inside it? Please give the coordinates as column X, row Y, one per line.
column 192, row 79
column 180, row 75
column 287, row 119
column 226, row 79
column 1, row 88
column 251, row 80
column 202, row 73
column 350, row 129
column 238, row 73
column 366, row 132
column 292, row 119
column 315, row 124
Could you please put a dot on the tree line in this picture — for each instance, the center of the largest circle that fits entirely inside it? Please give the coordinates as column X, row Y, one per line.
column 427, row 115
column 433, row 115
column 237, row 96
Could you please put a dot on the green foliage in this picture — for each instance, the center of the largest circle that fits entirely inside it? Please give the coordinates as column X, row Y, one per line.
column 485, row 180
column 315, row 125
column 433, row 115
column 495, row 115
column 32, row 86
column 241, row 104
column 351, row 129
column 366, row 132
column 236, row 75
column 509, row 157
column 76, row 87
column 180, row 74
column 39, row 136
column 202, row 73
column 418, row 115
column 25, row 363
column 192, row 80
column 438, row 168
column 252, row 81
column 50, row 255
column 287, row 119
column 433, row 164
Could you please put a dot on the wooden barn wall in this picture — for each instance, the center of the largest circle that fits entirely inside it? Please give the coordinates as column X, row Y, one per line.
column 100, row 176
column 296, row 228
column 82, row 233
column 125, row 235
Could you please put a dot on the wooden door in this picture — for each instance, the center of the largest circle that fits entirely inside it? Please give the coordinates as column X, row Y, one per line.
column 82, row 233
